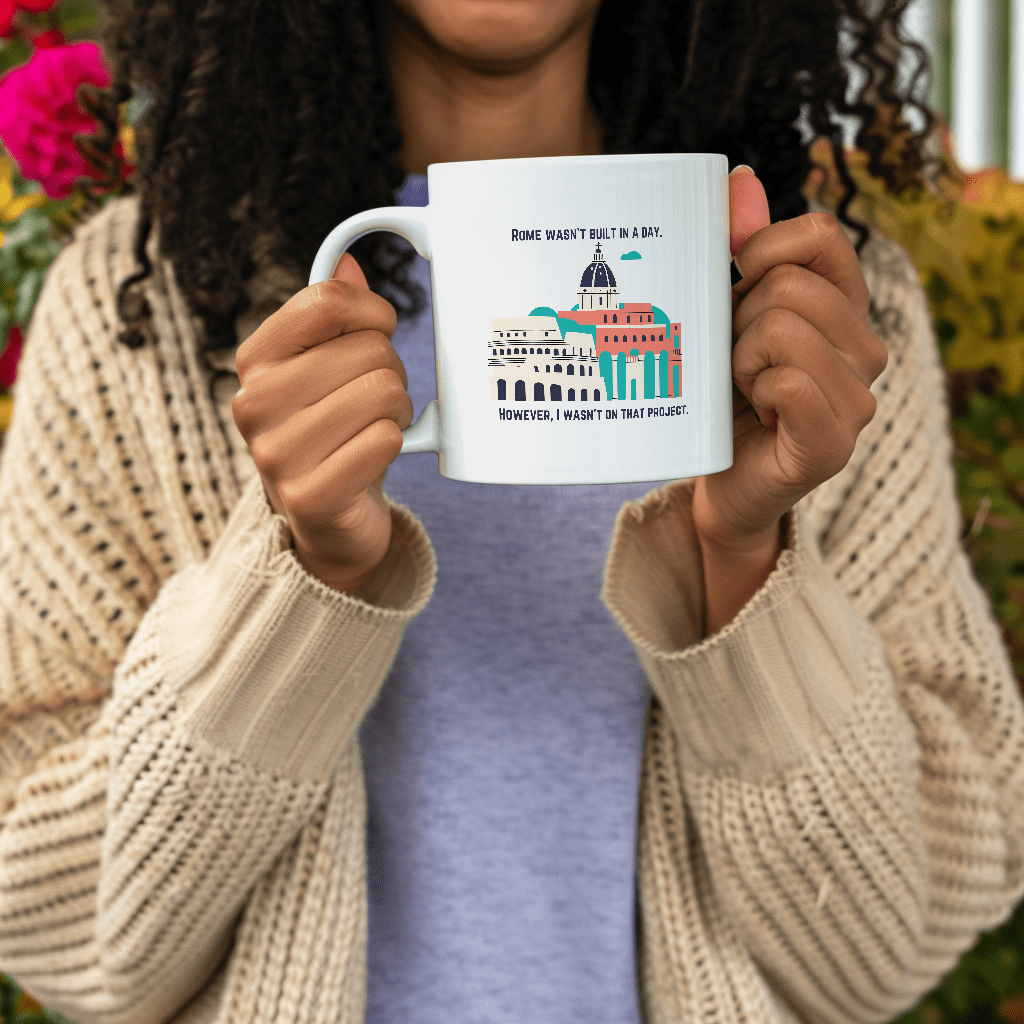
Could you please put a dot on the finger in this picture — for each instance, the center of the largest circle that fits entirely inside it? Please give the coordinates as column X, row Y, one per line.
column 748, row 207
column 270, row 398
column 348, row 269
column 813, row 444
column 307, row 438
column 815, row 241
column 824, row 307
column 344, row 475
column 312, row 316
column 779, row 337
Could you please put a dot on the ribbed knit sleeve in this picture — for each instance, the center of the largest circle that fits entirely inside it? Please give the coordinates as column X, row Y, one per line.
column 834, row 798
column 179, row 698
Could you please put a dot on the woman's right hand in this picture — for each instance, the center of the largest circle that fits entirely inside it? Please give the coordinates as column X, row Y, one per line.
column 322, row 406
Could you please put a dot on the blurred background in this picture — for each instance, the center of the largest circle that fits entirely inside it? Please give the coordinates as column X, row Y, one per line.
column 964, row 230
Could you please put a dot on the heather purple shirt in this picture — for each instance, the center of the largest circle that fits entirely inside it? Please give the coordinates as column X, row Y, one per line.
column 502, row 756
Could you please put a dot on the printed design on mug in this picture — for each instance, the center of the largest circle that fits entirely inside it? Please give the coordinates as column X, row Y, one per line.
column 601, row 349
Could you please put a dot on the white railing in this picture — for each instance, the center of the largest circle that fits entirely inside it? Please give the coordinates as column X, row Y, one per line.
column 978, row 50
column 1016, row 99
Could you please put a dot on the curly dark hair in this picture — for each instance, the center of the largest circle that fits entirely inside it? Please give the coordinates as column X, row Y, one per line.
column 271, row 118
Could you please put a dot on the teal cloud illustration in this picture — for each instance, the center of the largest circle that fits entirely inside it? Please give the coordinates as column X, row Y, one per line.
column 634, row 255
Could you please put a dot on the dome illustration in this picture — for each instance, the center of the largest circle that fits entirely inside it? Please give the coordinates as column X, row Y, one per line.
column 598, row 274
column 598, row 289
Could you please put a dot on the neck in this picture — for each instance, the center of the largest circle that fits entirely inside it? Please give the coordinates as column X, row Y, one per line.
column 450, row 107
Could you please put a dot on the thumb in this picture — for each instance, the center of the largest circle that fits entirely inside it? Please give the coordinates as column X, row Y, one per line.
column 348, row 270
column 748, row 207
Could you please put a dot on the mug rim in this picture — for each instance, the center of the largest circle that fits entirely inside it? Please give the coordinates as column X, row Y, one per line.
column 592, row 158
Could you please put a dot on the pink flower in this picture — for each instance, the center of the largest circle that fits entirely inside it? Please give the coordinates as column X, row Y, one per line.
column 36, row 6
column 10, row 357
column 39, row 114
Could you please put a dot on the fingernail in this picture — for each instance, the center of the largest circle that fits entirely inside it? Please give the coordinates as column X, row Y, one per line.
column 743, row 167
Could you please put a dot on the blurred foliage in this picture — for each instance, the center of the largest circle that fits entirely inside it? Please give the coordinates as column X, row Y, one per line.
column 29, row 241
column 964, row 233
column 32, row 225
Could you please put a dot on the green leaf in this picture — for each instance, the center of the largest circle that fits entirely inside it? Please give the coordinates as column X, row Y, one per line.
column 1013, row 460
column 957, row 990
column 945, row 331
column 995, row 311
column 8, row 996
column 1015, row 256
column 12, row 54
column 33, row 227
column 937, row 289
column 78, row 16
column 1000, row 969
column 983, row 411
column 999, row 223
column 10, row 268
column 27, row 292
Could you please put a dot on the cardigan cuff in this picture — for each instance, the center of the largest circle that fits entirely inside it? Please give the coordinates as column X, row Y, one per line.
column 758, row 697
column 272, row 666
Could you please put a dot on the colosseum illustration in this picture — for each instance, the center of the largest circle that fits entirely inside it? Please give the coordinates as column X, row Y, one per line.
column 599, row 350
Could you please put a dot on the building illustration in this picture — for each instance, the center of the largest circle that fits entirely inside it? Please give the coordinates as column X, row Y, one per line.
column 601, row 350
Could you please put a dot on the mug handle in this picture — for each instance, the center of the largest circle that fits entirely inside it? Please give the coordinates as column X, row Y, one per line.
column 412, row 223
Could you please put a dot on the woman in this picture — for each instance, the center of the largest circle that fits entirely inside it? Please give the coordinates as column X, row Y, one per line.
column 813, row 789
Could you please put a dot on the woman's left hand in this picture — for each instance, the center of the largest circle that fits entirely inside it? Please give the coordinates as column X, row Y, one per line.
column 803, row 361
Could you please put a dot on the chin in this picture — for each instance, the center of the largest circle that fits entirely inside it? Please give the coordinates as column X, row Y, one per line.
column 497, row 32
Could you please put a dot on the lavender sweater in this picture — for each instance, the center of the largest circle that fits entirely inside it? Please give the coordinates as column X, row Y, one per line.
column 502, row 756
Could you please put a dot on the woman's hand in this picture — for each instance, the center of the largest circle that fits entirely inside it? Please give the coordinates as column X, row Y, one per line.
column 803, row 361
column 322, row 405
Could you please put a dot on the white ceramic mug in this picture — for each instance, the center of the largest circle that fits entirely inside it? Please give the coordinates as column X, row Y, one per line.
column 582, row 316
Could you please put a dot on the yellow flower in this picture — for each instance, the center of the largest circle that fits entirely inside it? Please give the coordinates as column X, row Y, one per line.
column 128, row 144
column 10, row 207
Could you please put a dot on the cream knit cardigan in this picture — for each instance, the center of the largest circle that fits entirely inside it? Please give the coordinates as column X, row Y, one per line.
column 832, row 791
